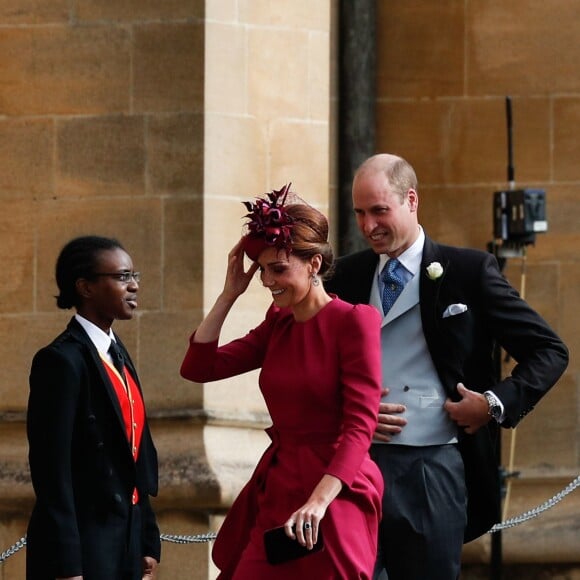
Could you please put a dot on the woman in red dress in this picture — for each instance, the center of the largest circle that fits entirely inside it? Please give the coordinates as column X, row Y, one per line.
column 320, row 377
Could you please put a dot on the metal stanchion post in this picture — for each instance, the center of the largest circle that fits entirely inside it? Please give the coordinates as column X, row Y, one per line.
column 496, row 539
column 496, row 560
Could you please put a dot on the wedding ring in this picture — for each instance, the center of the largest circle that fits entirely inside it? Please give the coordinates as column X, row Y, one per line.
column 307, row 525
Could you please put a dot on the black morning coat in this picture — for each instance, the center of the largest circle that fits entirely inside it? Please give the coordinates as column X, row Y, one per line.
column 82, row 468
column 462, row 349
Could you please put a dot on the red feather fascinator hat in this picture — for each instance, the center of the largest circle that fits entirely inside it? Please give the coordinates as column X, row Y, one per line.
column 269, row 224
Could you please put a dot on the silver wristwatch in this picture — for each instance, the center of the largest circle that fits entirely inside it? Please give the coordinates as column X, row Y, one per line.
column 494, row 407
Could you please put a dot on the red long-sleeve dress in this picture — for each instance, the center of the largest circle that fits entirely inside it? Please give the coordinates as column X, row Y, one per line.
column 321, row 381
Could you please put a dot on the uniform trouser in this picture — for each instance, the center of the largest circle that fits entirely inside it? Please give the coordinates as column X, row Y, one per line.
column 424, row 512
column 128, row 564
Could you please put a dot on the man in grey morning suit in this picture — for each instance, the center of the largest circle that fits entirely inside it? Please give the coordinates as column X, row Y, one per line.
column 435, row 439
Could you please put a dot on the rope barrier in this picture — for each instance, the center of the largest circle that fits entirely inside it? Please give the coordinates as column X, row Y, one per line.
column 203, row 538
column 535, row 512
column 13, row 549
column 198, row 539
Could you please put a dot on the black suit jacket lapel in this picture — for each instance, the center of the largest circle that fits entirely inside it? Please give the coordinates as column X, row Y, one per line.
column 429, row 292
column 92, row 354
column 429, row 289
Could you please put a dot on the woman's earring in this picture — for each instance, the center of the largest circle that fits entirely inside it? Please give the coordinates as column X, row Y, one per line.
column 315, row 280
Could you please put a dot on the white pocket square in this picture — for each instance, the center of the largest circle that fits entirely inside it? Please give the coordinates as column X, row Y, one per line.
column 454, row 309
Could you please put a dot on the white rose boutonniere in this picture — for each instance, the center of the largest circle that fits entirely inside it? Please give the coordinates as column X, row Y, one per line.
column 434, row 270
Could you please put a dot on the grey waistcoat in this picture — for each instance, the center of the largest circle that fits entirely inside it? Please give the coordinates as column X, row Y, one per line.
column 409, row 373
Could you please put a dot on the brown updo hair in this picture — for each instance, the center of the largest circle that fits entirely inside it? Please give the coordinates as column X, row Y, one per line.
column 310, row 236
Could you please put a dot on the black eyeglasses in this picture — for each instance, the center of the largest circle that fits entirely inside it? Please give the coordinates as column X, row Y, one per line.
column 124, row 277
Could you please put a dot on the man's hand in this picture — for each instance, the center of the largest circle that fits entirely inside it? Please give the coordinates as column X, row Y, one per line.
column 149, row 566
column 471, row 412
column 390, row 422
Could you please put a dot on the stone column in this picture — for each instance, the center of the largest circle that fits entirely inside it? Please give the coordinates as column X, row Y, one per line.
column 357, row 95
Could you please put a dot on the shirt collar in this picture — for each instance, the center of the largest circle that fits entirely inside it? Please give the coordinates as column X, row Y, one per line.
column 98, row 337
column 411, row 257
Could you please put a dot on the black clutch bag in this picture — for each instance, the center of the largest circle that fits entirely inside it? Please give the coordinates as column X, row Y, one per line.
column 280, row 548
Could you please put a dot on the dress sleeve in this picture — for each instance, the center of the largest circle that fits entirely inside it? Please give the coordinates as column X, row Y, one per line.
column 206, row 361
column 361, row 378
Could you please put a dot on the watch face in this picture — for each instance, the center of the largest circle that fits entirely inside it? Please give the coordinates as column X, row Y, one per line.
column 494, row 408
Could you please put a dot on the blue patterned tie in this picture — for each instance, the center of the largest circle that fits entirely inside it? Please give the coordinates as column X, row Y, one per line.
column 393, row 284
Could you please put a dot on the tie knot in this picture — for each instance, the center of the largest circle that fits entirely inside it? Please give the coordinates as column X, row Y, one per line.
column 114, row 349
column 116, row 356
column 390, row 268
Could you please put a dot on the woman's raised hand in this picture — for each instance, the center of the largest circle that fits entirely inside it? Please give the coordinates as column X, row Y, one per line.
column 237, row 279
